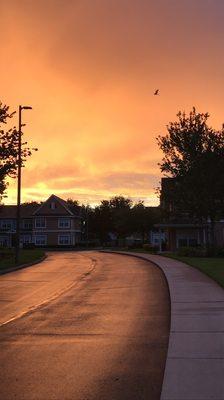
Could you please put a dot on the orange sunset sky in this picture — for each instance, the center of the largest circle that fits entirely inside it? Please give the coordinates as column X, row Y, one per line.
column 89, row 68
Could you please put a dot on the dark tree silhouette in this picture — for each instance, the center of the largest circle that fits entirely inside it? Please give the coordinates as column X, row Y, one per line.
column 74, row 206
column 9, row 139
column 115, row 219
column 194, row 156
column 143, row 218
column 121, row 217
column 111, row 216
column 101, row 222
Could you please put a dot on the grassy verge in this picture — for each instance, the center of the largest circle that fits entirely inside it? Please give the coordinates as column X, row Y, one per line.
column 7, row 259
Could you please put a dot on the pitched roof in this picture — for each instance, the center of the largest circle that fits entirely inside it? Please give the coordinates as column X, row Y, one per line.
column 63, row 203
column 42, row 208
column 26, row 210
column 31, row 209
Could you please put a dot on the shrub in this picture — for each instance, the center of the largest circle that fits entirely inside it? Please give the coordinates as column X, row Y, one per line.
column 221, row 252
column 150, row 248
column 192, row 252
column 135, row 245
column 5, row 254
column 29, row 246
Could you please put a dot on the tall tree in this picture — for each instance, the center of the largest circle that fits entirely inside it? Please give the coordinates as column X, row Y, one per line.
column 111, row 216
column 74, row 205
column 194, row 156
column 143, row 218
column 9, row 140
column 121, row 216
column 101, row 223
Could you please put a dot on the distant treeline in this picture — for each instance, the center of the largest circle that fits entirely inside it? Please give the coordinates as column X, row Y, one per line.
column 117, row 217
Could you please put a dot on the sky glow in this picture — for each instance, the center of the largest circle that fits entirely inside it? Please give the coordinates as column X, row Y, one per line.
column 89, row 69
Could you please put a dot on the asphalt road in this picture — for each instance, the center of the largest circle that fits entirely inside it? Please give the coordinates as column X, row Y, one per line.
column 28, row 288
column 97, row 331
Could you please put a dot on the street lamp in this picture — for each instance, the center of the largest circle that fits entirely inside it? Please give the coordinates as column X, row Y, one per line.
column 19, row 183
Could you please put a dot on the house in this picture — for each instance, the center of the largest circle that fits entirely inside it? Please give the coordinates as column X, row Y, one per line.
column 53, row 223
column 181, row 229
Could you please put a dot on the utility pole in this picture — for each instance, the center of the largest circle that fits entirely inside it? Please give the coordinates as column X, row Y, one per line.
column 87, row 227
column 17, row 247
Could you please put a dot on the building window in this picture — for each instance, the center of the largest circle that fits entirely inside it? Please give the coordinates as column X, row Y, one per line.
column 4, row 241
column 64, row 223
column 40, row 222
column 53, row 205
column 40, row 240
column 64, row 239
column 7, row 224
column 27, row 224
column 25, row 239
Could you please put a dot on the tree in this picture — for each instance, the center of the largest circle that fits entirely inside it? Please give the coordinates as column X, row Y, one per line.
column 9, row 140
column 111, row 216
column 143, row 218
column 121, row 216
column 74, row 205
column 101, row 223
column 194, row 157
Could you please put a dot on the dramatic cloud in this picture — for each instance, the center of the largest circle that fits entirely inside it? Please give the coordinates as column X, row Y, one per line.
column 89, row 69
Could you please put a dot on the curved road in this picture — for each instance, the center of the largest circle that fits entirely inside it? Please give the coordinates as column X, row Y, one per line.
column 84, row 326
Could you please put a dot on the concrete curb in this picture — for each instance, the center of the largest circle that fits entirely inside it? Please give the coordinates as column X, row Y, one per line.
column 8, row 270
column 195, row 359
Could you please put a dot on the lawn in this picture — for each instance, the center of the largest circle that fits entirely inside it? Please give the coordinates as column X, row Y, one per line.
column 7, row 259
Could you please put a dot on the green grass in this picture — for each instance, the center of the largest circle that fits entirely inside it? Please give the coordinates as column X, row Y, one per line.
column 7, row 259
column 213, row 267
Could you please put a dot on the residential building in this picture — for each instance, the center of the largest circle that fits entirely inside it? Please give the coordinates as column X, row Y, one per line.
column 181, row 229
column 53, row 223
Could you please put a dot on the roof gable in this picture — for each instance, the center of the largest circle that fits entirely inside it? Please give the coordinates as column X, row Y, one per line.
column 60, row 207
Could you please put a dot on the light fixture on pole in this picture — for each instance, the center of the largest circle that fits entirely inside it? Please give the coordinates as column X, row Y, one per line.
column 19, row 183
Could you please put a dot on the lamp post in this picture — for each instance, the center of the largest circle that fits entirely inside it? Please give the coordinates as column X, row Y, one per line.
column 87, row 228
column 19, row 183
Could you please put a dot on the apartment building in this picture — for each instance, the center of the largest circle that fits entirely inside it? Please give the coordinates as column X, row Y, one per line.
column 53, row 223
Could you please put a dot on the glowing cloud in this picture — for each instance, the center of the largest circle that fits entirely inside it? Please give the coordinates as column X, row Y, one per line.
column 89, row 69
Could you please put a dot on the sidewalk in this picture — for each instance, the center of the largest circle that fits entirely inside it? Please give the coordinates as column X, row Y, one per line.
column 195, row 361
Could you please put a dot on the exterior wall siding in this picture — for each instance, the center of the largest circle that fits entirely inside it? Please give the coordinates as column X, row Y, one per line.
column 54, row 231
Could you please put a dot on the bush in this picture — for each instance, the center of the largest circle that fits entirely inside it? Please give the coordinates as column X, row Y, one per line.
column 192, row 252
column 220, row 252
column 29, row 246
column 215, row 251
column 150, row 248
column 5, row 254
column 135, row 245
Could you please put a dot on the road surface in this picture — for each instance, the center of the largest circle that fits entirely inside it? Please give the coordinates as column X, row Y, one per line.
column 84, row 326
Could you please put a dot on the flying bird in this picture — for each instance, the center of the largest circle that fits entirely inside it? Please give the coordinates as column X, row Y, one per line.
column 156, row 92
